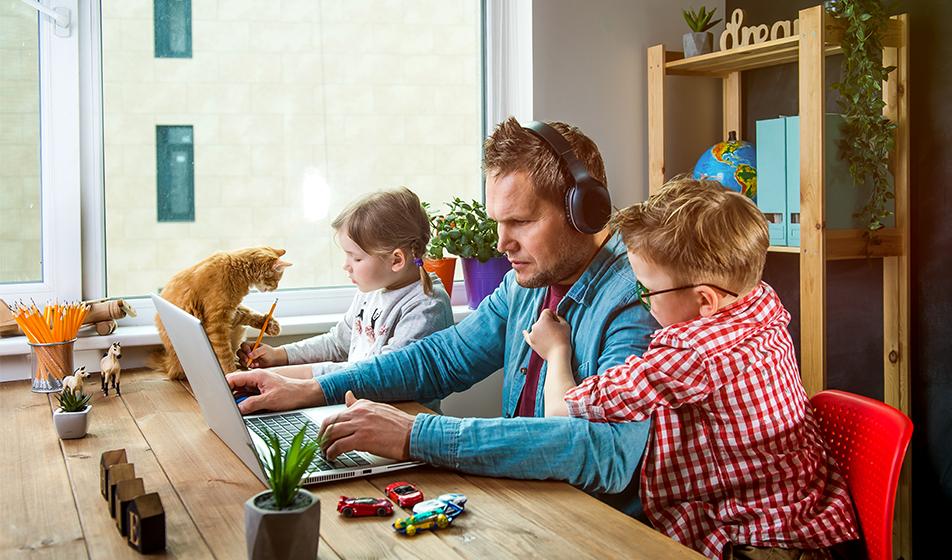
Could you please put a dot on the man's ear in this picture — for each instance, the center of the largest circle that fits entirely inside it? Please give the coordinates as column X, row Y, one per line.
column 709, row 302
column 398, row 260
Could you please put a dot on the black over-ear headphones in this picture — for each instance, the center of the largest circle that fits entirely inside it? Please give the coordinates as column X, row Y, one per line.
column 588, row 205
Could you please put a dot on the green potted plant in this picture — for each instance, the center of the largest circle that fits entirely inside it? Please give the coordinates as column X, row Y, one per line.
column 469, row 233
column 284, row 521
column 700, row 40
column 72, row 417
column 436, row 259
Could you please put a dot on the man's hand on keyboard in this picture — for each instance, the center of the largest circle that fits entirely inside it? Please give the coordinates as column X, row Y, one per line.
column 270, row 391
column 369, row 426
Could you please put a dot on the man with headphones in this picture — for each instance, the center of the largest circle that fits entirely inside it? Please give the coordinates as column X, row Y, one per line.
column 545, row 187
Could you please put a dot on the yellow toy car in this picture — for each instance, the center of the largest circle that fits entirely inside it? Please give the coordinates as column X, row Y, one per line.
column 433, row 519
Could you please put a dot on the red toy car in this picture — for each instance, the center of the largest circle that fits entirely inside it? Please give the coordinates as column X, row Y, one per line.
column 404, row 494
column 356, row 507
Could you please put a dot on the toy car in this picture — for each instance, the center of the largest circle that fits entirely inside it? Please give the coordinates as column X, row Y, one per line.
column 357, row 507
column 440, row 502
column 433, row 519
column 404, row 493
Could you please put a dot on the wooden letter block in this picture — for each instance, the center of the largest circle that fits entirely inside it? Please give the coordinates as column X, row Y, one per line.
column 126, row 491
column 147, row 524
column 108, row 459
column 116, row 474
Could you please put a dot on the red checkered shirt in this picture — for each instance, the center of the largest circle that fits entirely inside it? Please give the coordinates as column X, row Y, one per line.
column 735, row 454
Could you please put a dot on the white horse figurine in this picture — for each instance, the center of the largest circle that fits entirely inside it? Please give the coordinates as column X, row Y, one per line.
column 75, row 382
column 111, row 369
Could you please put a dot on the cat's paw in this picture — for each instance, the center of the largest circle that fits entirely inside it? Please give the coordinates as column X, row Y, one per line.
column 273, row 328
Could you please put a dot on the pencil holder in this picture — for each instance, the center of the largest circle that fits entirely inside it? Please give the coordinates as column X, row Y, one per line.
column 50, row 362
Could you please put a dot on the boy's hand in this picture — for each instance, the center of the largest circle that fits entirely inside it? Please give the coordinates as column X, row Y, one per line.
column 548, row 334
column 263, row 357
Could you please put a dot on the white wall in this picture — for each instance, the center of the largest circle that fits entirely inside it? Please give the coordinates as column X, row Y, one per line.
column 590, row 68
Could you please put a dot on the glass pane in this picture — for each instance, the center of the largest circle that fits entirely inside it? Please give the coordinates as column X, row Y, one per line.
column 173, row 28
column 176, row 176
column 21, row 249
column 295, row 109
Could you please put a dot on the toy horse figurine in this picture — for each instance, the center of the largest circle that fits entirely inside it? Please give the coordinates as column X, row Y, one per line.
column 111, row 369
column 75, row 382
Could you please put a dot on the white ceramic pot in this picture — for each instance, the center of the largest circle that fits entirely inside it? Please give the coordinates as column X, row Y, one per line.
column 71, row 425
column 282, row 534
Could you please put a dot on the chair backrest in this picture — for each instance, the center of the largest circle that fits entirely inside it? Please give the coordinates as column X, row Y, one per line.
column 868, row 440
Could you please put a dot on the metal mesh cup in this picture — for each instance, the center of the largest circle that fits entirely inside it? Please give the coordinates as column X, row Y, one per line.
column 51, row 362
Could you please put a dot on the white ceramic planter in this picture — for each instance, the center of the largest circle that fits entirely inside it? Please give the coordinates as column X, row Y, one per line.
column 71, row 425
column 285, row 535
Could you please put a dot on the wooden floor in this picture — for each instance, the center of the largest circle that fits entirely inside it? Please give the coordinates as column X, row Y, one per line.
column 50, row 504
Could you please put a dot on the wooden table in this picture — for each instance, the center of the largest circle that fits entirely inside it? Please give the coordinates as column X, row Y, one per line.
column 50, row 504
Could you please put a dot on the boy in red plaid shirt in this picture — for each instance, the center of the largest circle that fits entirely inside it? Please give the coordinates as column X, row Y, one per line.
column 735, row 464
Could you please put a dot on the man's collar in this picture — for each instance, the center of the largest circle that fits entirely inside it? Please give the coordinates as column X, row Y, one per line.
column 581, row 290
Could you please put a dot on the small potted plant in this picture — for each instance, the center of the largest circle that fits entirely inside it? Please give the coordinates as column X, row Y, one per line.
column 72, row 417
column 470, row 234
column 436, row 260
column 700, row 40
column 284, row 521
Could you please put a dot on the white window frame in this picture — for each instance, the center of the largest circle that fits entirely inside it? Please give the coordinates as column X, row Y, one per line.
column 59, row 166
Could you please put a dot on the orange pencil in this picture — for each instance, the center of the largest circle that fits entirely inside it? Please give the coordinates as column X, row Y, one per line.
column 267, row 319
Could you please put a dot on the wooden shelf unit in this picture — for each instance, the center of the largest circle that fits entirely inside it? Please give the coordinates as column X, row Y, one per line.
column 818, row 38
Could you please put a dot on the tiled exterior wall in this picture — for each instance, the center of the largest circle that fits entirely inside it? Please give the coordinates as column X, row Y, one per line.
column 20, row 250
column 298, row 107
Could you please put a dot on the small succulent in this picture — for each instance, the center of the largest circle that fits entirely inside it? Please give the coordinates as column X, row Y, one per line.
column 72, row 402
column 700, row 21
column 284, row 468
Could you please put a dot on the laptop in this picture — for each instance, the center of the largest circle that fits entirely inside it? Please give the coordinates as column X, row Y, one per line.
column 244, row 435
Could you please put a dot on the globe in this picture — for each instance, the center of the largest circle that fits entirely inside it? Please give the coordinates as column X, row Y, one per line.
column 732, row 163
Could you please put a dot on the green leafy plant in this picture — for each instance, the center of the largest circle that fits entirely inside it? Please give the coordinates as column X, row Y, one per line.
column 700, row 21
column 72, row 402
column 284, row 468
column 436, row 248
column 465, row 230
column 868, row 136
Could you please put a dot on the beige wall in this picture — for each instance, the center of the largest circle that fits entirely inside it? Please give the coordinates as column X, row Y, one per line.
column 20, row 249
column 297, row 108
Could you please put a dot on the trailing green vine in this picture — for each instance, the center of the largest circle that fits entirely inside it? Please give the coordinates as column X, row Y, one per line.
column 868, row 136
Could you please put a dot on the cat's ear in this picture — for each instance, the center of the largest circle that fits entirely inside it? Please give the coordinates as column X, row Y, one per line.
column 280, row 265
column 279, row 252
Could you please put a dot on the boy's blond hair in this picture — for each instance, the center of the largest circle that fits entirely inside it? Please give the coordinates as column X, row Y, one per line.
column 700, row 232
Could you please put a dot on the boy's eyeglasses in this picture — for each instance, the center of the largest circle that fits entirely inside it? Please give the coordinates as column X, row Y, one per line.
column 644, row 293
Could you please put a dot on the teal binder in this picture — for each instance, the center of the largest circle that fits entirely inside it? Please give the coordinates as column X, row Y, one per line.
column 772, row 177
column 793, row 181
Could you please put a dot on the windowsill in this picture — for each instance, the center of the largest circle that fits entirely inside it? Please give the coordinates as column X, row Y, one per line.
column 148, row 335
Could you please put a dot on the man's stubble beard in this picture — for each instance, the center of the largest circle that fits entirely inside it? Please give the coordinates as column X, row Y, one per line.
column 569, row 260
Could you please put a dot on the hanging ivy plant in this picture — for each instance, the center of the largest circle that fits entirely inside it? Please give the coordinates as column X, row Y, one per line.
column 867, row 136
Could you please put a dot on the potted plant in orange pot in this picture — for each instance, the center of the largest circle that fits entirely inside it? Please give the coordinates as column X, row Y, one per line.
column 436, row 260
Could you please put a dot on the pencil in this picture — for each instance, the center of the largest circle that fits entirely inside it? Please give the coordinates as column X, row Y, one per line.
column 267, row 320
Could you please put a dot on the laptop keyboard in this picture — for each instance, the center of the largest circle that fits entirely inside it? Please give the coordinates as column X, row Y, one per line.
column 286, row 426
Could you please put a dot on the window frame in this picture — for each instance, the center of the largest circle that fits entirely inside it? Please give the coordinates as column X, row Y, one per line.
column 79, row 240
column 60, row 229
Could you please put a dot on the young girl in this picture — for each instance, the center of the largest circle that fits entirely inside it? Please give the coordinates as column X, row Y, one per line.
column 384, row 236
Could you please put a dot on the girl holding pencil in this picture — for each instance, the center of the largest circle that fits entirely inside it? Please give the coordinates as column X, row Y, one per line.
column 384, row 236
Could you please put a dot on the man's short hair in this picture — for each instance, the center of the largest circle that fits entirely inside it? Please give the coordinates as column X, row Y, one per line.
column 511, row 149
column 699, row 232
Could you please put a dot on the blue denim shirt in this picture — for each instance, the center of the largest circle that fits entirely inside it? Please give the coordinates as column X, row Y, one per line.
column 607, row 325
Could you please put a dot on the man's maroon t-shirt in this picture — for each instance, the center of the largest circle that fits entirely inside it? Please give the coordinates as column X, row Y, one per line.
column 527, row 401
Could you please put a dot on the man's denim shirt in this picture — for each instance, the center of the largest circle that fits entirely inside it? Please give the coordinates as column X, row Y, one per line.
column 607, row 325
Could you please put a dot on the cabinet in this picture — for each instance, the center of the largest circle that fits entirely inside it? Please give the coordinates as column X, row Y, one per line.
column 818, row 37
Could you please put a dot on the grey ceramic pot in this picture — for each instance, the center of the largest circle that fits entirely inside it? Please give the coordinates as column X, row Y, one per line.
column 697, row 43
column 282, row 535
column 71, row 425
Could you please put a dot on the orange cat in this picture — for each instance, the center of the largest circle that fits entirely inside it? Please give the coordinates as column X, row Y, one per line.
column 212, row 291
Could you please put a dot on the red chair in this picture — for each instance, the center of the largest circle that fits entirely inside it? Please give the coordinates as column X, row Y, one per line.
column 868, row 440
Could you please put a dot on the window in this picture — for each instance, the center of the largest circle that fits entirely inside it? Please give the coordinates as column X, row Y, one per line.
column 173, row 28
column 175, row 186
column 293, row 114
